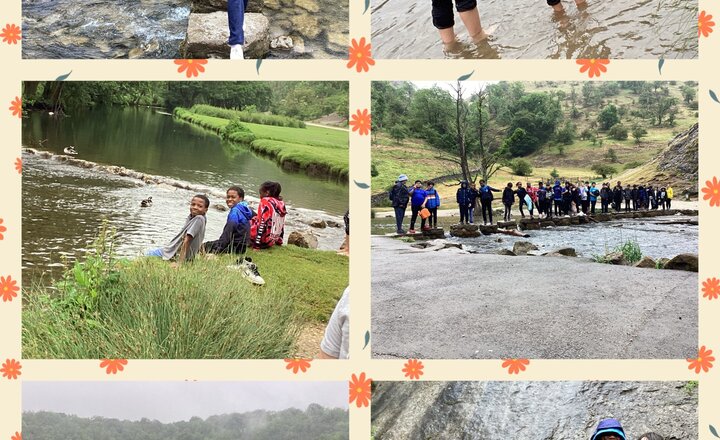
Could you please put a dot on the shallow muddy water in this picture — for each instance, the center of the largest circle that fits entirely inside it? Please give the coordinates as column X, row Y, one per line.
column 628, row 29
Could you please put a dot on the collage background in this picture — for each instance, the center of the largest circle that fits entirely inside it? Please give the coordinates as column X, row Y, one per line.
column 704, row 70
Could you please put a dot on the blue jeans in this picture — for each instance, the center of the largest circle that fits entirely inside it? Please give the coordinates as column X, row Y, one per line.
column 399, row 216
column 236, row 18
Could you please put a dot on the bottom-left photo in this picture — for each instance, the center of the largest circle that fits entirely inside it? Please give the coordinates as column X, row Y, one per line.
column 185, row 410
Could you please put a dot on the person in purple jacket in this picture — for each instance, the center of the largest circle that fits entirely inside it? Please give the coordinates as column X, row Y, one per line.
column 609, row 429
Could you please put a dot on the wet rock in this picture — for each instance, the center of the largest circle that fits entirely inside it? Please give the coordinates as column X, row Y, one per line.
column 662, row 262
column 566, row 252
column 334, row 224
column 523, row 247
column 306, row 25
column 208, row 34
column 318, row 223
column 338, row 41
column 464, row 231
column 303, row 239
column 602, row 217
column 220, row 207
column 688, row 262
column 205, row 6
column 507, row 252
column 616, row 258
column 563, row 221
column 298, row 45
column 646, row 262
column 308, row 5
column 506, row 225
column 282, row 42
column 434, row 233
column 488, row 229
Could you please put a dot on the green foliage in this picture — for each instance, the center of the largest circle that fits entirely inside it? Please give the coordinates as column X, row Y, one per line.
column 604, row 170
column 538, row 115
column 608, row 117
column 638, row 132
column 247, row 116
column 618, row 132
column 399, row 132
column 631, row 251
column 631, row 165
column 566, row 135
column 519, row 144
column 611, row 155
column 554, row 173
column 691, row 386
column 237, row 132
column 521, row 167
column 373, row 170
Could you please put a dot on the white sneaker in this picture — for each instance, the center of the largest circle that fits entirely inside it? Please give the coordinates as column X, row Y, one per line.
column 236, row 52
column 248, row 270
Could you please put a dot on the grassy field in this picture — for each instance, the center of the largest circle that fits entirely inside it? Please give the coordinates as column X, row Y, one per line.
column 420, row 161
column 146, row 309
column 305, row 148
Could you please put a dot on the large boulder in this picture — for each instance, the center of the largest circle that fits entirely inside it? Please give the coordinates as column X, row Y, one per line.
column 523, row 247
column 688, row 262
column 464, row 231
column 616, row 258
column 208, row 34
column 205, row 6
column 646, row 262
column 303, row 239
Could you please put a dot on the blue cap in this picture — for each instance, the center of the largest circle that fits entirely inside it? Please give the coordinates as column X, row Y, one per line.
column 608, row 426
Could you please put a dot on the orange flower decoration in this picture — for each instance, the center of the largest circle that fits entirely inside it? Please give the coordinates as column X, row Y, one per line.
column 16, row 107
column 515, row 366
column 18, row 165
column 360, row 390
column 705, row 24
column 711, row 288
column 8, row 288
column 11, row 34
column 191, row 67
column 2, row 229
column 17, row 436
column 593, row 66
column 11, row 369
column 112, row 366
column 703, row 362
column 360, row 122
column 360, row 56
column 413, row 369
column 298, row 364
column 712, row 192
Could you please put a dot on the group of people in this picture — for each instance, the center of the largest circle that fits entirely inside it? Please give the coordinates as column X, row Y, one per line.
column 244, row 228
column 546, row 199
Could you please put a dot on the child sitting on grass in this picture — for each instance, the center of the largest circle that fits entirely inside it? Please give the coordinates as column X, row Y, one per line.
column 235, row 234
column 268, row 226
column 186, row 244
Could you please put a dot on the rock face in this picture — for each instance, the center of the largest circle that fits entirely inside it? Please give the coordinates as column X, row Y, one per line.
column 523, row 247
column 680, row 160
column 208, row 35
column 688, row 262
column 303, row 239
column 531, row 410
column 205, row 6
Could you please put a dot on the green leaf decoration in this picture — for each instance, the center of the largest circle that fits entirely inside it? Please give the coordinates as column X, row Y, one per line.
column 257, row 65
column 367, row 5
column 466, row 76
column 361, row 184
column 714, row 96
column 714, row 431
column 367, row 339
column 661, row 63
column 63, row 77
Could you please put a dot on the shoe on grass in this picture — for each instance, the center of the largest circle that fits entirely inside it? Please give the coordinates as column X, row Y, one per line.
column 248, row 270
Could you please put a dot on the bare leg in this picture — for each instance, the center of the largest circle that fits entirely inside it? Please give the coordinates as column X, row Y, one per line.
column 581, row 2
column 471, row 19
column 447, row 36
column 558, row 8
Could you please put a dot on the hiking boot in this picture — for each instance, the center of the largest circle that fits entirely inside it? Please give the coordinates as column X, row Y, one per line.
column 248, row 270
column 401, row 231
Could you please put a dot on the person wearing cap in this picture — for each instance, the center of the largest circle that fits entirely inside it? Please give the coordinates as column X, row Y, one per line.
column 609, row 429
column 399, row 196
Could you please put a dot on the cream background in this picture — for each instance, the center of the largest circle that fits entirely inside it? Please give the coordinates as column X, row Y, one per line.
column 15, row 70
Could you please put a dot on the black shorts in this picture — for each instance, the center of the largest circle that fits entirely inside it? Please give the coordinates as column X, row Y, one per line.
column 553, row 2
column 442, row 11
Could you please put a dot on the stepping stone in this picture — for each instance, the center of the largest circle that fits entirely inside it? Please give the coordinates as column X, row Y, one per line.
column 208, row 34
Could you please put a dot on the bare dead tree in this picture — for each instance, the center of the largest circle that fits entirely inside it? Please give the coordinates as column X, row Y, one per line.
column 486, row 155
column 461, row 127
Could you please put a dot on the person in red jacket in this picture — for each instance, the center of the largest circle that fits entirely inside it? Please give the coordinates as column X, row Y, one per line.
column 268, row 226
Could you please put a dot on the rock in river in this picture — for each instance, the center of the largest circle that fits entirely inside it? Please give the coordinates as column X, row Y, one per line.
column 688, row 262
column 205, row 6
column 523, row 247
column 304, row 239
column 208, row 34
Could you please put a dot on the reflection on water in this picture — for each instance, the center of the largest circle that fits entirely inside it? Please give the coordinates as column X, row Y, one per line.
column 656, row 238
column 63, row 205
column 628, row 29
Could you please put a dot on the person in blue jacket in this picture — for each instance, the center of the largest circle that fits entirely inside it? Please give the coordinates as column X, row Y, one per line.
column 432, row 204
column 609, row 429
column 236, row 233
column 643, row 197
column 474, row 194
column 508, row 199
column 594, row 193
column 463, row 200
column 486, row 198
column 417, row 202
column 558, row 191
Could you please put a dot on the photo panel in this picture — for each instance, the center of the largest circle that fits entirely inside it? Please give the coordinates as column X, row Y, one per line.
column 185, row 220
column 543, row 220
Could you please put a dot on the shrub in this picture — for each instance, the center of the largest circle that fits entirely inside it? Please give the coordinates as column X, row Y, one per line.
column 631, row 251
column 604, row 170
column 638, row 132
column 633, row 164
column 611, row 155
column 618, row 132
column 247, row 115
column 521, row 167
column 399, row 132
column 554, row 173
column 374, row 171
column 566, row 135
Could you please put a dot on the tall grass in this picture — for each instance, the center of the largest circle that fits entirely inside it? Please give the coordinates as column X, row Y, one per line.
column 196, row 311
column 247, row 116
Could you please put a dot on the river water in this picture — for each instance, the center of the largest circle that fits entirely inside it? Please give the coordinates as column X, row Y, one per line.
column 656, row 238
column 71, row 29
column 627, row 29
column 63, row 205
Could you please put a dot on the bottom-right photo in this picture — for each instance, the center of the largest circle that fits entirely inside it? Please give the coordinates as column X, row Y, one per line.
column 582, row 410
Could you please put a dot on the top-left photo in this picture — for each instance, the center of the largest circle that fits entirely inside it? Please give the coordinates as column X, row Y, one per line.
column 188, row 29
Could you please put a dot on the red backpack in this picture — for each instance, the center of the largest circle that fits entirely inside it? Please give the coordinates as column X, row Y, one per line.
column 268, row 226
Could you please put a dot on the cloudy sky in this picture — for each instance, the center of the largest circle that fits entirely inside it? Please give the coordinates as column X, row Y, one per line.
column 174, row 401
column 470, row 86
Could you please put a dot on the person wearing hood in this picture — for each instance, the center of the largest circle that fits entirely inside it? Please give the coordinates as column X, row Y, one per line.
column 609, row 429
column 463, row 198
column 432, row 204
column 235, row 234
column 643, row 197
column 670, row 194
column 606, row 196
column 508, row 199
column 399, row 197
column 486, row 198
column 617, row 197
column 557, row 197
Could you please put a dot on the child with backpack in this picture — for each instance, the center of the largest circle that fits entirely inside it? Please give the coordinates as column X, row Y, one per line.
column 486, row 198
column 267, row 228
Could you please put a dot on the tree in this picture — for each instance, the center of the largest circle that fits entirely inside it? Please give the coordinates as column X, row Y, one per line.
column 604, row 170
column 611, row 155
column 518, row 144
column 554, row 173
column 618, row 132
column 566, row 135
column 399, row 132
column 688, row 93
column 521, row 167
column 486, row 152
column 608, row 117
column 638, row 132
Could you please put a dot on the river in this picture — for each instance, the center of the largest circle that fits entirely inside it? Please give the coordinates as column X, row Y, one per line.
column 154, row 29
column 627, row 29
column 63, row 205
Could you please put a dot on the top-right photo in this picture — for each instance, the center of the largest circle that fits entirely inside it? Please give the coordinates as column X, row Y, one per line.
column 535, row 29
